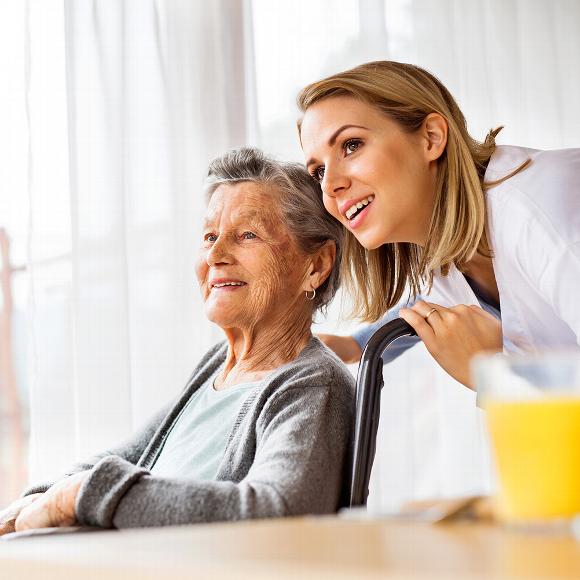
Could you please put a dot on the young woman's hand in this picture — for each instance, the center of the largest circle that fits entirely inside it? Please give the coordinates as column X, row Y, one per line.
column 454, row 335
column 54, row 508
column 8, row 515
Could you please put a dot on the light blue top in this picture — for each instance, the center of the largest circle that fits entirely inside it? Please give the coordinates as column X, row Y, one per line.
column 195, row 446
column 397, row 348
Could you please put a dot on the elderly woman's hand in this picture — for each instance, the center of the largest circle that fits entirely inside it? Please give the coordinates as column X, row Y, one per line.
column 8, row 515
column 54, row 508
column 454, row 335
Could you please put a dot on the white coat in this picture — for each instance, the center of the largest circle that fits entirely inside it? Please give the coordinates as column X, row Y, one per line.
column 534, row 231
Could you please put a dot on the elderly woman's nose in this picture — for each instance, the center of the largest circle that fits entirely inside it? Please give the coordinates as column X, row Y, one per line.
column 219, row 252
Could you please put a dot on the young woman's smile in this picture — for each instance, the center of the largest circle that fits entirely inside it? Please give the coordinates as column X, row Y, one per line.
column 377, row 179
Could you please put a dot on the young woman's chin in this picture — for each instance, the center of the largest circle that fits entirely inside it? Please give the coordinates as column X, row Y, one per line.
column 375, row 235
column 370, row 240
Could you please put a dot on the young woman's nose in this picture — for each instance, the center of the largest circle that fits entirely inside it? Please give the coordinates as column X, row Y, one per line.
column 334, row 181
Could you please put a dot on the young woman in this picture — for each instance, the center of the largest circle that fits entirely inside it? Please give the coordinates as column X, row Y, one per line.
column 430, row 211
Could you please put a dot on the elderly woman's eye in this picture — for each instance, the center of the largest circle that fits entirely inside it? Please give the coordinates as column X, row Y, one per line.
column 318, row 174
column 210, row 238
column 249, row 235
column 351, row 145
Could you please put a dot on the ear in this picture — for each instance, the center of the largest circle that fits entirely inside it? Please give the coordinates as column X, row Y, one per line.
column 434, row 131
column 320, row 267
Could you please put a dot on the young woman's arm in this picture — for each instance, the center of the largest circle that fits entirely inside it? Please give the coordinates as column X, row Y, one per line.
column 349, row 348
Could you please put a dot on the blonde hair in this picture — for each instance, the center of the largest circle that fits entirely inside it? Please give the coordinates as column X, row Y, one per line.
column 406, row 93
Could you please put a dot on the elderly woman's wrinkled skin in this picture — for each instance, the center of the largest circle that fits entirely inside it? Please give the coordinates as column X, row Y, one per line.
column 54, row 508
column 265, row 315
column 243, row 242
column 9, row 515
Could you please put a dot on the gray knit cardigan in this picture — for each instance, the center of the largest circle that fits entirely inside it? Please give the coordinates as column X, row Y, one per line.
column 285, row 455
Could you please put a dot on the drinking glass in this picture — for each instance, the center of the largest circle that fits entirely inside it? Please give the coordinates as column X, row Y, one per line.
column 532, row 405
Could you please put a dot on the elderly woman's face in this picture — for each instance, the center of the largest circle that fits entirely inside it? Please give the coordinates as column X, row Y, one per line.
column 249, row 268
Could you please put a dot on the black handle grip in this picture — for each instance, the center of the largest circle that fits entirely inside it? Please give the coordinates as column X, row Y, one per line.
column 368, row 403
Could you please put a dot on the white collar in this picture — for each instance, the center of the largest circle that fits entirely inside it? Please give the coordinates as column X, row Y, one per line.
column 451, row 290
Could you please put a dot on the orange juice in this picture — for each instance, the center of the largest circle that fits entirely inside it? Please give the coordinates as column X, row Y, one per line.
column 537, row 451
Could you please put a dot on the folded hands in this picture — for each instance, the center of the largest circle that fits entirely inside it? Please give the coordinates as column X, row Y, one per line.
column 55, row 508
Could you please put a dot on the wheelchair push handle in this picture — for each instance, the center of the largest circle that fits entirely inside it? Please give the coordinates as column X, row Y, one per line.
column 368, row 399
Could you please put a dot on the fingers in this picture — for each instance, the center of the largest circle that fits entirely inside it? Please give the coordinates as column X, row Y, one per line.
column 421, row 326
column 454, row 335
column 36, row 515
column 39, row 514
column 434, row 314
column 7, row 526
column 55, row 508
column 8, row 516
column 430, row 313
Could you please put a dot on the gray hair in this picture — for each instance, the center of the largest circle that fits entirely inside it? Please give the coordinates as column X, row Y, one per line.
column 299, row 199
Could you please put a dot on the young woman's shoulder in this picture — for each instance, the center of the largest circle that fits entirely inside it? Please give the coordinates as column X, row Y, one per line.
column 545, row 193
column 547, row 163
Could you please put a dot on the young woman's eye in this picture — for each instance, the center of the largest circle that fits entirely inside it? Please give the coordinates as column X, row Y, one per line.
column 211, row 238
column 351, row 146
column 249, row 235
column 318, row 174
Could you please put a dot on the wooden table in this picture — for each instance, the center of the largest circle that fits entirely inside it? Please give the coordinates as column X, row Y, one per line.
column 295, row 548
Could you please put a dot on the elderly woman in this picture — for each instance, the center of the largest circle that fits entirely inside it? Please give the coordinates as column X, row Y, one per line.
column 261, row 429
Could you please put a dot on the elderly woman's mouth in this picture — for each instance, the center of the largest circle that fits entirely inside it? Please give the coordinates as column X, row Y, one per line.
column 226, row 284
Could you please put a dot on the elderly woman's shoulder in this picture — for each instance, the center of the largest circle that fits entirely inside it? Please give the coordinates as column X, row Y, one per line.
column 324, row 355
column 316, row 367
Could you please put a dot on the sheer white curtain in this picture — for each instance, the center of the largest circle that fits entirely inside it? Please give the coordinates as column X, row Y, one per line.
column 150, row 91
column 123, row 104
column 508, row 62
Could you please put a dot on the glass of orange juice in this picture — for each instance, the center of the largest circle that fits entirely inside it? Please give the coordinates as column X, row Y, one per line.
column 532, row 405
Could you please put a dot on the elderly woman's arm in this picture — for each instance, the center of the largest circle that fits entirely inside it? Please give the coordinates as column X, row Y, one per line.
column 130, row 450
column 54, row 501
column 302, row 438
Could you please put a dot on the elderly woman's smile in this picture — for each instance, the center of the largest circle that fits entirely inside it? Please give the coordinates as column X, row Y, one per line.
column 221, row 284
column 249, row 269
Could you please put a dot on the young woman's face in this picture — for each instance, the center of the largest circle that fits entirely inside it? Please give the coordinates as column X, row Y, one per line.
column 377, row 179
